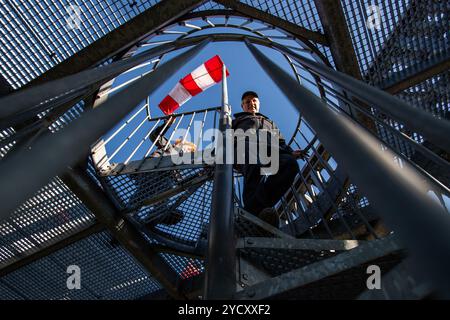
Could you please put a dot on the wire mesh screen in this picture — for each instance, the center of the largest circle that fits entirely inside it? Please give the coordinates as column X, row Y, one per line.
column 51, row 215
column 107, row 271
column 40, row 34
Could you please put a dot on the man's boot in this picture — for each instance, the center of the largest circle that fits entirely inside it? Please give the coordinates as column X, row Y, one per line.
column 270, row 216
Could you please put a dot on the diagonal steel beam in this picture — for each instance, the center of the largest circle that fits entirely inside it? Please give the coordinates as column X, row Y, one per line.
column 79, row 235
column 126, row 35
column 265, row 18
column 400, row 283
column 416, row 74
column 297, row 31
column 399, row 194
column 127, row 235
column 336, row 29
column 85, row 130
column 369, row 251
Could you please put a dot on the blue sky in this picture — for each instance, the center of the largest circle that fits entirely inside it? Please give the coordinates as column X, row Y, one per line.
column 245, row 74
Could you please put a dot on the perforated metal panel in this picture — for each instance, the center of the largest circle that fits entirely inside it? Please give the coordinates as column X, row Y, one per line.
column 107, row 272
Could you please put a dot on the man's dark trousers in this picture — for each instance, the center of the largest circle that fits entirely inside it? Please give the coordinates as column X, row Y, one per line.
column 260, row 193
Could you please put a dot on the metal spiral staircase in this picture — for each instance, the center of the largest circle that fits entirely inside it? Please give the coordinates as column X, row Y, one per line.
column 373, row 190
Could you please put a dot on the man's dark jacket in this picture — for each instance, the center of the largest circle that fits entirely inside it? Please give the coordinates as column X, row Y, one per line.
column 248, row 120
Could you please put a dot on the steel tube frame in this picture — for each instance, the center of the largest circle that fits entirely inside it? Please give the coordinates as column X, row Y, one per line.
column 403, row 197
column 127, row 235
column 29, row 99
column 220, row 274
column 28, row 170
column 436, row 130
column 53, row 247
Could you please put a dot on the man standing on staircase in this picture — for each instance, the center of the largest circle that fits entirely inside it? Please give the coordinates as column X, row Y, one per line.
column 261, row 193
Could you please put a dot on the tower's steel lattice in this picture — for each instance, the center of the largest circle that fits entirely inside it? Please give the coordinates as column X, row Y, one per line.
column 373, row 190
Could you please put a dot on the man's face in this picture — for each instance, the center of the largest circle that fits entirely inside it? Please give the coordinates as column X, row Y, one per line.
column 250, row 104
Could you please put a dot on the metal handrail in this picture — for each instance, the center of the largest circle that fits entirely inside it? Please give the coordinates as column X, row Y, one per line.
column 399, row 194
column 220, row 275
column 28, row 170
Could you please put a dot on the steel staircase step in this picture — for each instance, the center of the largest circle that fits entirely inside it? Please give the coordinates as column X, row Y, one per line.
column 248, row 225
column 312, row 272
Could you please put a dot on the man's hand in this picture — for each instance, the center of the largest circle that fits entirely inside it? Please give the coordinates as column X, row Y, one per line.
column 299, row 154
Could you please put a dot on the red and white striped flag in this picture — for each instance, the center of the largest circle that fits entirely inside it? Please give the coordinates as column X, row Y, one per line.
column 205, row 76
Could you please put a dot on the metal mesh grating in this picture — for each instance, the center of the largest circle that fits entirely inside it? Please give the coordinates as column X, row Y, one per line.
column 245, row 228
column 5, row 146
column 8, row 293
column 130, row 190
column 432, row 95
column 209, row 5
column 107, row 272
column 185, row 267
column 196, row 216
column 36, row 35
column 52, row 214
column 393, row 141
column 327, row 53
column 70, row 115
column 344, row 285
column 276, row 261
column 410, row 33
column 92, row 173
column 302, row 13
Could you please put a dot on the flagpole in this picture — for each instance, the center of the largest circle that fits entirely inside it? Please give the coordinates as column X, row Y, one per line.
column 220, row 274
